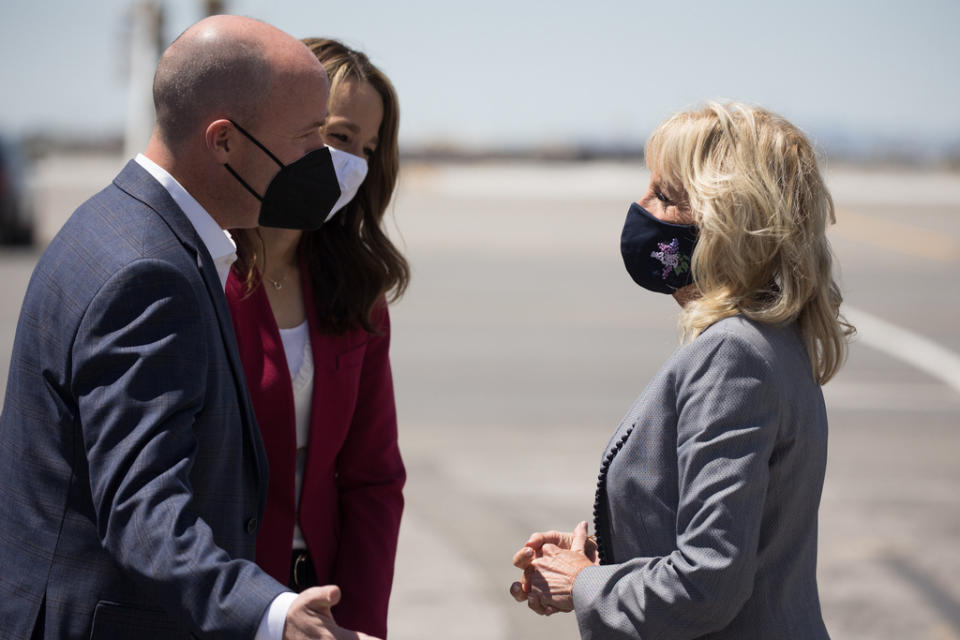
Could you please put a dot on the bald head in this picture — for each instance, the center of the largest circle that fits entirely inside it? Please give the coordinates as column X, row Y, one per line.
column 224, row 67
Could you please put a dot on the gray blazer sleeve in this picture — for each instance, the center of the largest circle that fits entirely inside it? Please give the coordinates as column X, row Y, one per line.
column 727, row 421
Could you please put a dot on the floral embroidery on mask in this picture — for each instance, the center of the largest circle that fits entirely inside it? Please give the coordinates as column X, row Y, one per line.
column 670, row 257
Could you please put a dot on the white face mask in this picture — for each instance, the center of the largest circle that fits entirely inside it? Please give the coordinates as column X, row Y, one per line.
column 351, row 171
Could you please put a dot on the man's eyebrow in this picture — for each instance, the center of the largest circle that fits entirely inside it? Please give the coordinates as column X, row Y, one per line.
column 313, row 125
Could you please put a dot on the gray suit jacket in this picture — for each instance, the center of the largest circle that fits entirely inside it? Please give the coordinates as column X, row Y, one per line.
column 132, row 473
column 707, row 501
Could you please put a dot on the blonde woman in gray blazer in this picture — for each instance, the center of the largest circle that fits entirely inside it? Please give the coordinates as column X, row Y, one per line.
column 707, row 498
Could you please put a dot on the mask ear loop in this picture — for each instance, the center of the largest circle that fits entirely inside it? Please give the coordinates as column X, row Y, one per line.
column 243, row 182
column 262, row 148
column 256, row 142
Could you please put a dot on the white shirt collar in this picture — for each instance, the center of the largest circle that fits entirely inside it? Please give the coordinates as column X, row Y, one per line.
column 221, row 246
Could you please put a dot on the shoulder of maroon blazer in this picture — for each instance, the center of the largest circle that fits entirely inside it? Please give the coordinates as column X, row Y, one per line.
column 338, row 363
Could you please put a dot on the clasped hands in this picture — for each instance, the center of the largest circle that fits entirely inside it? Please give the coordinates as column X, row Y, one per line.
column 550, row 562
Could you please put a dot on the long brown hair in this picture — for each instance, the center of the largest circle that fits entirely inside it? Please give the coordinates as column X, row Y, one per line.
column 353, row 266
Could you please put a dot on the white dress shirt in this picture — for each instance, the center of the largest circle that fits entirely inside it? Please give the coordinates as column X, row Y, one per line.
column 218, row 242
column 223, row 251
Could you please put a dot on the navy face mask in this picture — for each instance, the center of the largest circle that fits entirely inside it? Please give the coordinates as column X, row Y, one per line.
column 306, row 193
column 657, row 253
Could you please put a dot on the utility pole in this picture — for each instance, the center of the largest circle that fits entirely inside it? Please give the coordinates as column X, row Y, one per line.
column 146, row 43
column 214, row 7
column 146, row 17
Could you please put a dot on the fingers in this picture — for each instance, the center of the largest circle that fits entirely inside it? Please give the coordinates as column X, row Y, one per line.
column 328, row 594
column 541, row 603
column 535, row 540
column 541, row 538
column 540, row 547
column 533, row 536
column 523, row 558
column 579, row 537
column 590, row 549
column 345, row 634
column 321, row 599
column 535, row 605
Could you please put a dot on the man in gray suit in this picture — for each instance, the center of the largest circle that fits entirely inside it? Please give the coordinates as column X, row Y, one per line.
column 132, row 473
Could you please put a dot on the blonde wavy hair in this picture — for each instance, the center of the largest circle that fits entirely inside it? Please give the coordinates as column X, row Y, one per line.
column 752, row 183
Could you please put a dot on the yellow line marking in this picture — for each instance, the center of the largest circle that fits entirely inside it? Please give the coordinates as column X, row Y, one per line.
column 895, row 236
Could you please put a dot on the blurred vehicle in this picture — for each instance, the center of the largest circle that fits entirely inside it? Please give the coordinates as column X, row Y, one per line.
column 16, row 219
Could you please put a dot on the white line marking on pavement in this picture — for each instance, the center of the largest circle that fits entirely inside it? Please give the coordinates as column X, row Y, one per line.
column 914, row 349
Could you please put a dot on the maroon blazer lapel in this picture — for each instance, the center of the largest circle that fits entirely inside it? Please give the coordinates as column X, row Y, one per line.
column 335, row 385
column 268, row 378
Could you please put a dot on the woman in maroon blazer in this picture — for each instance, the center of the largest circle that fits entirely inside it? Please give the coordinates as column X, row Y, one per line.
column 310, row 313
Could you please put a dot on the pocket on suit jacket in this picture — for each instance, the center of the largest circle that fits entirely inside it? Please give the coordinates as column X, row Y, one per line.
column 112, row 621
column 352, row 358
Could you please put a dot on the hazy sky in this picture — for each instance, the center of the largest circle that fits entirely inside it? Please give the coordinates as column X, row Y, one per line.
column 515, row 72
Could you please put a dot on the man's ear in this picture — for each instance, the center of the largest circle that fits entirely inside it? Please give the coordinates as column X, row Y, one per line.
column 219, row 137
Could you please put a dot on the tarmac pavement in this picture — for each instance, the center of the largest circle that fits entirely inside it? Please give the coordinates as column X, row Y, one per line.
column 522, row 341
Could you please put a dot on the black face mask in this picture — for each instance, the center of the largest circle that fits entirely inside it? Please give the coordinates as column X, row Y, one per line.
column 657, row 253
column 303, row 194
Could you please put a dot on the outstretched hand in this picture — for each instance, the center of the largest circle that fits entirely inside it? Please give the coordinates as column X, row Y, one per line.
column 309, row 617
column 550, row 562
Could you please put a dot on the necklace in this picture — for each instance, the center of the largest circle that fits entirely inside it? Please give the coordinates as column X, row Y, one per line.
column 286, row 268
column 277, row 284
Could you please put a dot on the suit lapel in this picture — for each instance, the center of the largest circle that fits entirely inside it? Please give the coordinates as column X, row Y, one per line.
column 137, row 182
column 215, row 290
